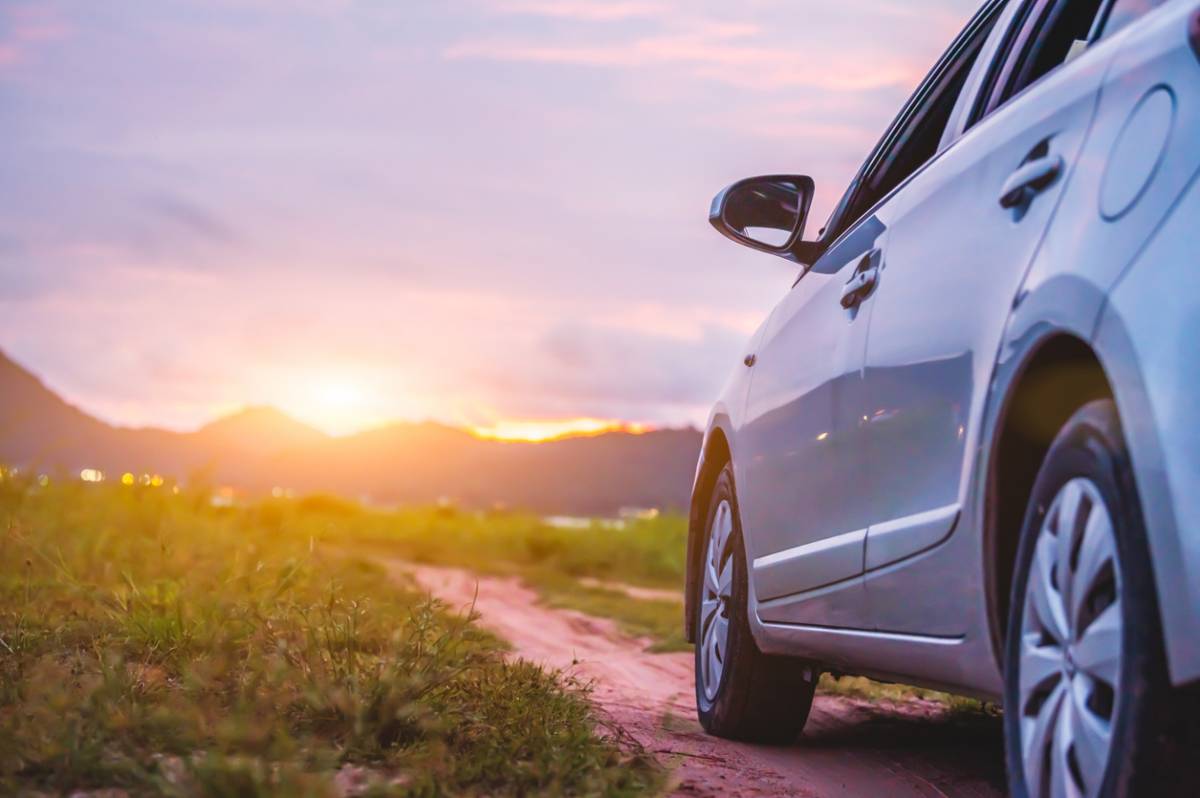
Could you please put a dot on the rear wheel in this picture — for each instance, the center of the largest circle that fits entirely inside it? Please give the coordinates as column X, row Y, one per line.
column 1087, row 700
column 741, row 693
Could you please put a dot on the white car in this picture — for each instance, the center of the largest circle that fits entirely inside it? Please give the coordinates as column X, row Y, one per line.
column 962, row 451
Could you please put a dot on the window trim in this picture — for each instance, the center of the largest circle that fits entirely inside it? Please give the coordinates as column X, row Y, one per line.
column 1035, row 14
column 990, row 12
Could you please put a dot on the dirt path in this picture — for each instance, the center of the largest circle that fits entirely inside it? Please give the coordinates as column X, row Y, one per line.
column 849, row 747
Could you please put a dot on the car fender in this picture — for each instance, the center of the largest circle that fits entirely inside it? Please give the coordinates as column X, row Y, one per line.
column 1044, row 309
column 1149, row 333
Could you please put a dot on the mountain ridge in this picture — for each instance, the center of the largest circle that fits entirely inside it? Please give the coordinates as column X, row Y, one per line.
column 259, row 448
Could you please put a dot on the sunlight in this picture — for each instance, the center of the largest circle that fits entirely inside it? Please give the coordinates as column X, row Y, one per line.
column 336, row 403
column 533, row 431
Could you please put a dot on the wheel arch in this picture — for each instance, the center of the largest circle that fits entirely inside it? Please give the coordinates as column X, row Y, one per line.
column 1058, row 375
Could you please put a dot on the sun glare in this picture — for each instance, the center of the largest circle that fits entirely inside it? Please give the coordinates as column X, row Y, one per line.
column 336, row 403
column 534, row 431
column 337, row 393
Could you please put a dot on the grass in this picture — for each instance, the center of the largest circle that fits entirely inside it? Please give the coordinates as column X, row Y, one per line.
column 870, row 690
column 152, row 643
column 644, row 553
column 659, row 621
column 647, row 553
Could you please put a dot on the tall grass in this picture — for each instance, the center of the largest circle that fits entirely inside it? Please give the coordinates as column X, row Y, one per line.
column 647, row 552
column 153, row 643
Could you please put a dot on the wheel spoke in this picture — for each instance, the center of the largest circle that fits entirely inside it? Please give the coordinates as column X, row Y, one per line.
column 714, row 664
column 1098, row 650
column 720, row 637
column 711, row 582
column 725, row 586
column 1062, row 782
column 1047, row 603
column 1095, row 551
column 1038, row 737
column 1091, row 736
column 721, row 530
column 1071, row 504
column 1040, row 667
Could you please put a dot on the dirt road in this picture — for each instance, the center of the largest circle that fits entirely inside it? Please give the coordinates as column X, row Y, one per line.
column 849, row 747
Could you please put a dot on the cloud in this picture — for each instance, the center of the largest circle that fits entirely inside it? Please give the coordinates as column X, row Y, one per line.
column 749, row 56
column 192, row 218
column 25, row 26
column 421, row 191
column 587, row 10
column 612, row 371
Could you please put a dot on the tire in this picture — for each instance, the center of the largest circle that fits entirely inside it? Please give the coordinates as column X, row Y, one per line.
column 741, row 693
column 1092, row 714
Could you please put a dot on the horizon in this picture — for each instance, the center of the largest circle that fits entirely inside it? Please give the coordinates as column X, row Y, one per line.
column 526, row 431
column 488, row 214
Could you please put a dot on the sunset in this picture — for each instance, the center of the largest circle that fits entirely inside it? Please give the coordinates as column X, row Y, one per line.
column 467, row 212
column 599, row 398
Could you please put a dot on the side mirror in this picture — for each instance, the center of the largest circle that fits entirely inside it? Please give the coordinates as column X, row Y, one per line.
column 766, row 213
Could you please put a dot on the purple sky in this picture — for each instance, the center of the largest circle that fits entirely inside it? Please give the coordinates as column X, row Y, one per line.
column 467, row 210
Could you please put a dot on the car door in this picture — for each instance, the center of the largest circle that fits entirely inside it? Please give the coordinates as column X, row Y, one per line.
column 803, row 445
column 800, row 447
column 961, row 240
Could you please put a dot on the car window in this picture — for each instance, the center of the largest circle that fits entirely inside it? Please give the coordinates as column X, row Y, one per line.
column 913, row 139
column 1045, row 36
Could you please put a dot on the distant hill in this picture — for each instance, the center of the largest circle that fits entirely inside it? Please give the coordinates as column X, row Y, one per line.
column 261, row 448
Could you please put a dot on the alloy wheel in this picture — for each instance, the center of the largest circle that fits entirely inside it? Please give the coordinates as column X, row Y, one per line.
column 1070, row 647
column 716, row 599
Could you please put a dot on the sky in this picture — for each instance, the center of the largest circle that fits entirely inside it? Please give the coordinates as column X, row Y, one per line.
column 480, row 212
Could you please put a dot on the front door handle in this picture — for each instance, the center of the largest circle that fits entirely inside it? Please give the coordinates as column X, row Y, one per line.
column 866, row 275
column 1029, row 180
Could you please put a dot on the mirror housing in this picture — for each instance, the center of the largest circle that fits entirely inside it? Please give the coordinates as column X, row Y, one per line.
column 767, row 213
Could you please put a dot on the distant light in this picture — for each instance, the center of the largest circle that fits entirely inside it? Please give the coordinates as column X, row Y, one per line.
column 823, row 436
column 43, row 480
column 223, row 497
column 536, row 431
column 91, row 475
column 156, row 481
column 638, row 513
column 175, row 489
column 127, row 478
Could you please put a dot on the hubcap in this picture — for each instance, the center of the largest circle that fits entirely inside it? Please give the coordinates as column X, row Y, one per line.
column 716, row 599
column 1070, row 660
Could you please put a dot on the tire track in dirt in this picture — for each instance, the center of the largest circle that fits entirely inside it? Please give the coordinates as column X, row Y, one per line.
column 850, row 747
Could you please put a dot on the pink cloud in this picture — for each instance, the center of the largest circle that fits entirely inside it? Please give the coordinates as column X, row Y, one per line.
column 23, row 28
column 585, row 10
column 712, row 54
column 751, row 56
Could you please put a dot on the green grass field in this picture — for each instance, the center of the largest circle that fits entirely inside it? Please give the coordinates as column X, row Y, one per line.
column 151, row 642
column 643, row 553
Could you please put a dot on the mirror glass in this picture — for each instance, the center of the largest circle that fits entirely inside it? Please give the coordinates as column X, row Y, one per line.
column 765, row 211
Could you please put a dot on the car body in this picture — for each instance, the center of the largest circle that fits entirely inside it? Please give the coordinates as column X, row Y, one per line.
column 891, row 414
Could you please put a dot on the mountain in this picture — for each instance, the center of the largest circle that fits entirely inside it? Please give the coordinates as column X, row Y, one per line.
column 261, row 448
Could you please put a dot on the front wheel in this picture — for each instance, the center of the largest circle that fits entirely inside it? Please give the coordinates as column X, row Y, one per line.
column 741, row 693
column 1087, row 700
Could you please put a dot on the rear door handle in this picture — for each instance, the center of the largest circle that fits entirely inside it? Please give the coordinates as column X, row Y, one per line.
column 866, row 275
column 1029, row 180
